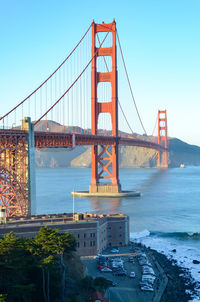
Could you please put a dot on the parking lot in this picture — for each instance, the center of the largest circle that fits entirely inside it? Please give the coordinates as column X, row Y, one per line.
column 127, row 289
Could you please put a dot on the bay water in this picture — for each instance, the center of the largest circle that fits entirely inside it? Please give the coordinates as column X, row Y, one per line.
column 165, row 217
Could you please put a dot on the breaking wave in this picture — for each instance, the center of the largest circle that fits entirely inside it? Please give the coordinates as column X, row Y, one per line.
column 178, row 235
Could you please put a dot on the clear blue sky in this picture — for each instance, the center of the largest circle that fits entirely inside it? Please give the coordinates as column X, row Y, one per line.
column 160, row 39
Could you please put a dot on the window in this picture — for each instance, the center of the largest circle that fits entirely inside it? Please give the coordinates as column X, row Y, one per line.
column 120, row 227
column 78, row 244
column 110, row 236
column 78, row 235
column 90, row 243
column 84, row 235
column 110, row 244
column 109, row 228
column 91, row 234
column 84, row 244
column 120, row 235
column 120, row 243
column 93, row 243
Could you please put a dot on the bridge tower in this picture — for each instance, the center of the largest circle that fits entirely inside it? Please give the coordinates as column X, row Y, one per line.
column 162, row 138
column 17, row 171
column 105, row 157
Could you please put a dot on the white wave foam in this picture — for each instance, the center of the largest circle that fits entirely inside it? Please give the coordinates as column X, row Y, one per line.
column 138, row 235
column 190, row 234
column 184, row 256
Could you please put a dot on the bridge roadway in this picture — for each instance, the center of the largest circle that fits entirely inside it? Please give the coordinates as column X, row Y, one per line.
column 10, row 137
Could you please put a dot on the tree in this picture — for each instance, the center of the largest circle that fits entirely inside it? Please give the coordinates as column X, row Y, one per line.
column 65, row 243
column 3, row 297
column 101, row 283
column 49, row 246
column 15, row 266
column 23, row 260
column 87, row 284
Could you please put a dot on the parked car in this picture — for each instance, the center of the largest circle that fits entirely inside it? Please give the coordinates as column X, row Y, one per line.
column 106, row 270
column 114, row 250
column 120, row 273
column 142, row 262
column 117, row 263
column 140, row 254
column 145, row 276
column 132, row 275
column 102, row 266
column 147, row 268
column 148, row 278
column 145, row 283
column 131, row 259
column 147, row 288
column 118, row 266
column 147, row 272
column 148, row 265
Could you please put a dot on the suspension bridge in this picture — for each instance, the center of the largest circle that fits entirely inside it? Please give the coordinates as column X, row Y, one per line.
column 76, row 105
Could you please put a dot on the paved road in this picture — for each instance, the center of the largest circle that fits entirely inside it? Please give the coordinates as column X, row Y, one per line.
column 121, row 294
column 127, row 289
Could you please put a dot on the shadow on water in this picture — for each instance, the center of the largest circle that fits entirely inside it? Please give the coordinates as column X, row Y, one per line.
column 114, row 205
column 155, row 179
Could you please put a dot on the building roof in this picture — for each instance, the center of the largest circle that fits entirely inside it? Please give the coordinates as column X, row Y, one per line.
column 57, row 220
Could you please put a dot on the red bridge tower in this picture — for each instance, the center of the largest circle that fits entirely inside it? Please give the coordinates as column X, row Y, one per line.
column 104, row 157
column 162, row 138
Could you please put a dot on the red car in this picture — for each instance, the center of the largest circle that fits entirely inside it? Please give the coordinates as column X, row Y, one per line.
column 102, row 266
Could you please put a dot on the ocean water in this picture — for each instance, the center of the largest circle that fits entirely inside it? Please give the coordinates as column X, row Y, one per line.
column 165, row 217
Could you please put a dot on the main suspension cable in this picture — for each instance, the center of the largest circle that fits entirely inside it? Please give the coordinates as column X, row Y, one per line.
column 130, row 83
column 72, row 83
column 48, row 77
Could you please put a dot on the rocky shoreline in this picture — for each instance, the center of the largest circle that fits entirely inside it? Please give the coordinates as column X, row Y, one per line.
column 180, row 286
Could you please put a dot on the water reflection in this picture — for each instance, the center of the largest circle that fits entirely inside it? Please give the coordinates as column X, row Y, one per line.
column 102, row 205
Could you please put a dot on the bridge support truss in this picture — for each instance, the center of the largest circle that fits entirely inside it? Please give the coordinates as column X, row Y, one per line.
column 162, row 138
column 104, row 158
column 17, row 176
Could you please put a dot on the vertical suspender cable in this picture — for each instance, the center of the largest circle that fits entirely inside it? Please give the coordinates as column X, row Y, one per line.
column 130, row 83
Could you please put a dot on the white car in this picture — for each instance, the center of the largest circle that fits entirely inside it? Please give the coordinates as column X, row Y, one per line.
column 132, row 275
column 106, row 270
column 117, row 262
column 148, row 272
column 115, row 251
column 145, row 276
column 116, row 265
column 149, row 280
column 147, row 288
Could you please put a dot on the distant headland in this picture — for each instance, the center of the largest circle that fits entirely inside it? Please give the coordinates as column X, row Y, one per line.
column 129, row 156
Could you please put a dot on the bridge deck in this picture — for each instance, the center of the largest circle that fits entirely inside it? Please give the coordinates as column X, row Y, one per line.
column 64, row 140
